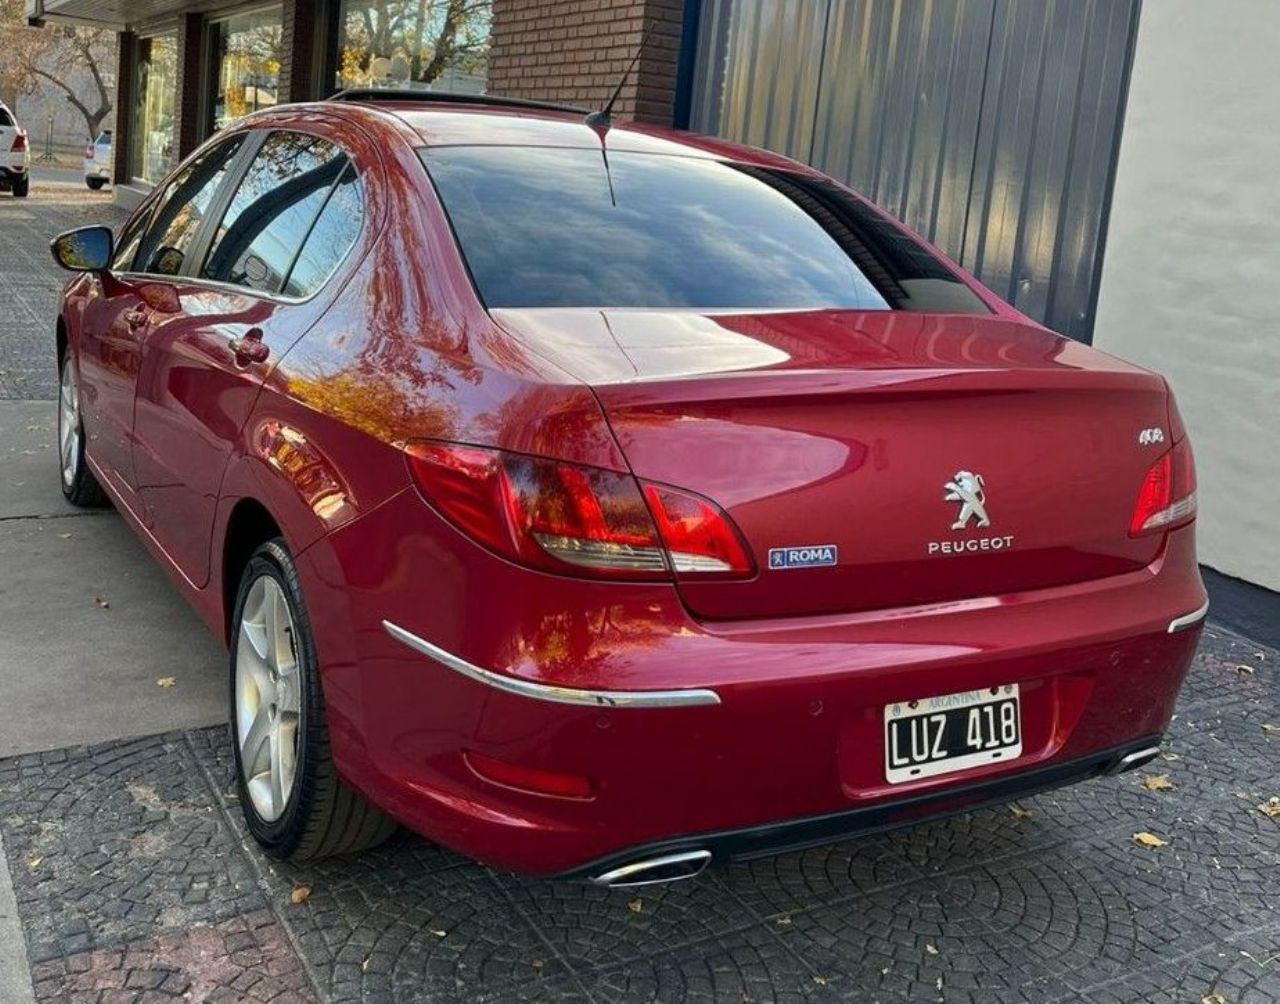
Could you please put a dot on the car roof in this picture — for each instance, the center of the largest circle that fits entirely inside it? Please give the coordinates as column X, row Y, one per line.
column 442, row 120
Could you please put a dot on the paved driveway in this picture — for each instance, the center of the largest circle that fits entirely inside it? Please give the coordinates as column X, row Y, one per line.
column 133, row 879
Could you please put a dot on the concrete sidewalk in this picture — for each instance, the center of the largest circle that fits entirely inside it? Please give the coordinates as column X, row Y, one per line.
column 88, row 622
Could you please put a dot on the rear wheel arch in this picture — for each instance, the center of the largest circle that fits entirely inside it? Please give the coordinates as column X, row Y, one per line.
column 249, row 526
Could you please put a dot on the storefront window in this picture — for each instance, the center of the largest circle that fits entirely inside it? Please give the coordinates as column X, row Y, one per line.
column 246, row 54
column 436, row 44
column 154, row 143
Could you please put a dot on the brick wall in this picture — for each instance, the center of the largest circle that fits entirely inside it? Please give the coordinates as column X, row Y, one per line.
column 575, row 51
column 302, row 23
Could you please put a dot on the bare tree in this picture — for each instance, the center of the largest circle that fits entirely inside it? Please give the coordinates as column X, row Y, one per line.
column 52, row 54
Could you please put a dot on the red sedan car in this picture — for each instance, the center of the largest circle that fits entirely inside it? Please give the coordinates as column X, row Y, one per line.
column 604, row 500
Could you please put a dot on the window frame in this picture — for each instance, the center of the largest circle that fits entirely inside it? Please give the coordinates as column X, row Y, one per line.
column 254, row 138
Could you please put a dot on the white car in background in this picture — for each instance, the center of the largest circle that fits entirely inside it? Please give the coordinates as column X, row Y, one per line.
column 97, row 161
column 15, row 155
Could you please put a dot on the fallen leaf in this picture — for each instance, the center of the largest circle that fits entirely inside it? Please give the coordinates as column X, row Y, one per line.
column 65, row 536
column 635, row 906
column 1145, row 839
column 931, row 949
column 1213, row 998
column 536, row 963
column 1019, row 813
column 1271, row 807
column 102, row 603
column 1261, row 657
column 1157, row 782
column 1268, row 727
column 820, row 980
column 1244, row 669
column 166, row 681
column 784, row 920
column 300, row 894
column 1243, row 794
column 1171, row 757
column 440, row 934
column 364, row 966
column 34, row 863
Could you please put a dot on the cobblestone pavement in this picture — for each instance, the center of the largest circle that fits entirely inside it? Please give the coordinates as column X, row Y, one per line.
column 30, row 281
column 135, row 883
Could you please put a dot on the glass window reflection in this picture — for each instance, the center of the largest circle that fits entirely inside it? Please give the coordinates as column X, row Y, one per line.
column 272, row 211
column 437, row 44
column 181, row 209
column 247, row 51
column 154, row 143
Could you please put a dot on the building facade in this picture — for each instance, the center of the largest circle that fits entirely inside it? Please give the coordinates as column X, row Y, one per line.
column 1095, row 162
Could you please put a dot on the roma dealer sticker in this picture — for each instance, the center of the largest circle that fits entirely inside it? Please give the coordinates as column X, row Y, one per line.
column 812, row 556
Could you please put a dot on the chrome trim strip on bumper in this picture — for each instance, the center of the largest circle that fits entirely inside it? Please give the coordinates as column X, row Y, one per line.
column 550, row 692
column 1189, row 620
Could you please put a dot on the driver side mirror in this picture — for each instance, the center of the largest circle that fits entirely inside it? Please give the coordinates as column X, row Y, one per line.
column 87, row 249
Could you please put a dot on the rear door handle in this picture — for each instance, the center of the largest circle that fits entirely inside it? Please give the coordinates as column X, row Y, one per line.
column 249, row 348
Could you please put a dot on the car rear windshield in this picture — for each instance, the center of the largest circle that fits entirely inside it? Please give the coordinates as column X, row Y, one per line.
column 543, row 227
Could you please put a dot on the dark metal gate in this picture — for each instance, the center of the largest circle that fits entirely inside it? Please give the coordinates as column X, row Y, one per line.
column 989, row 126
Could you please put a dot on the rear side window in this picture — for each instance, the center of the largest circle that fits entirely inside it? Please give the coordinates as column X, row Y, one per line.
column 181, row 209
column 544, row 227
column 5, row 118
column 332, row 235
column 274, row 212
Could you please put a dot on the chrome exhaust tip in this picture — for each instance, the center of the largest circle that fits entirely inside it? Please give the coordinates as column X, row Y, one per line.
column 653, row 871
column 1134, row 760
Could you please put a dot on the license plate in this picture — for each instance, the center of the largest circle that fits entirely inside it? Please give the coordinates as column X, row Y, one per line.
column 939, row 735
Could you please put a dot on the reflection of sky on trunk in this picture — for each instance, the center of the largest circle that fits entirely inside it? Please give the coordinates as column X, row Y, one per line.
column 539, row 228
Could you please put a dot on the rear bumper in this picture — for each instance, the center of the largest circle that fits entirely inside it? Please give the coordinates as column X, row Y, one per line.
column 793, row 835
column 790, row 751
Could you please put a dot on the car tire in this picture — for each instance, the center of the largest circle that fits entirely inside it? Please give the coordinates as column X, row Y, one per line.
column 293, row 802
column 79, row 486
column 95, row 183
column 21, row 187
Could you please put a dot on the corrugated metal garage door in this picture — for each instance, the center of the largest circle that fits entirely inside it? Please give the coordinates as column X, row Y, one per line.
column 989, row 126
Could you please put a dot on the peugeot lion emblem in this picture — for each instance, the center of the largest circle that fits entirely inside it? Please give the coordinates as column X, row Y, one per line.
column 967, row 489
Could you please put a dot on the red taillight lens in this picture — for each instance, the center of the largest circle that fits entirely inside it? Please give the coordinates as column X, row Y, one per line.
column 1167, row 497
column 698, row 536
column 19, row 143
column 573, row 519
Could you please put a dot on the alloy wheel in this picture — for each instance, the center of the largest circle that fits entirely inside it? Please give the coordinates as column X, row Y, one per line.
column 267, row 698
column 69, row 424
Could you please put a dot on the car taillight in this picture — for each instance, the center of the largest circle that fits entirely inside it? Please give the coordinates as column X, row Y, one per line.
column 1167, row 497
column 19, row 143
column 573, row 519
column 698, row 536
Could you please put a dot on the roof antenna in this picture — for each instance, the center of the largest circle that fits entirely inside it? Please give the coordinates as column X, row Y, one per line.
column 601, row 119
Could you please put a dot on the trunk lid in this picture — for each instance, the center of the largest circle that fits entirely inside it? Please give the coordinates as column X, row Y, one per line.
column 858, row 432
